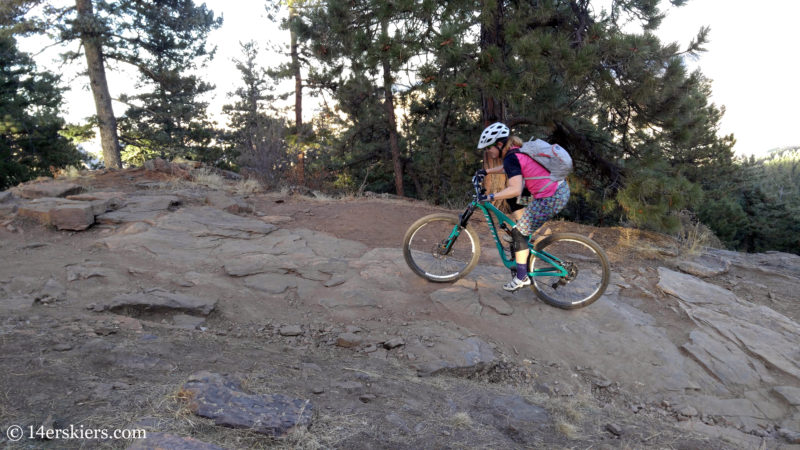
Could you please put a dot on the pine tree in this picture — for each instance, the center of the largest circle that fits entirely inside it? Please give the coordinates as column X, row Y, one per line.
column 301, row 136
column 363, row 46
column 168, row 119
column 30, row 143
column 159, row 38
column 90, row 31
column 257, row 139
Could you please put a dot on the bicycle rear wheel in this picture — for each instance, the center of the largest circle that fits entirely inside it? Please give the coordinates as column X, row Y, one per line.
column 586, row 264
column 426, row 250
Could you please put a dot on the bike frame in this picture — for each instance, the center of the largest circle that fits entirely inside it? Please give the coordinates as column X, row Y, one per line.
column 491, row 212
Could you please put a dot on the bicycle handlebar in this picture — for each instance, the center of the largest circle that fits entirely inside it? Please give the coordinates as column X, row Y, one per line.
column 477, row 183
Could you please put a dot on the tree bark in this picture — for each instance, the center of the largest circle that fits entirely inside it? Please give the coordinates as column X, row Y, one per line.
column 394, row 146
column 97, row 78
column 298, row 95
column 493, row 109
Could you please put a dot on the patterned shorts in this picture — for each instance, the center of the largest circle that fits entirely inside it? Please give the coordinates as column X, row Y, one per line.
column 540, row 210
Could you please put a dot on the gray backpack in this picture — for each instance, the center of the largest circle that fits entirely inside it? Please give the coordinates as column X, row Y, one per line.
column 552, row 157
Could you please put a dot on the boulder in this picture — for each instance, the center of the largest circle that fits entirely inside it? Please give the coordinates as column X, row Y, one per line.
column 349, row 340
column 46, row 189
column 62, row 213
column 223, row 400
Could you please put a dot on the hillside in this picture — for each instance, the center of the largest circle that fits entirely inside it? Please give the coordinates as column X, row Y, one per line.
column 215, row 317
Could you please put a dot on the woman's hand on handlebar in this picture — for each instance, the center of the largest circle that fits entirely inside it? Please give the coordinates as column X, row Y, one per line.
column 477, row 179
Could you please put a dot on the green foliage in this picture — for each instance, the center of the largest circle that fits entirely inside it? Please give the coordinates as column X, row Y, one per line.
column 652, row 198
column 77, row 133
column 30, row 143
column 757, row 208
column 167, row 119
column 558, row 70
column 408, row 86
column 256, row 140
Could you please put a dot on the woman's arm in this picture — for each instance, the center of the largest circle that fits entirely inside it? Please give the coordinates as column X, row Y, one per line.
column 514, row 189
column 496, row 169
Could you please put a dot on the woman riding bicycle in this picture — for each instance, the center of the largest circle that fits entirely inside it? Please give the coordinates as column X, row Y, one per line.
column 545, row 203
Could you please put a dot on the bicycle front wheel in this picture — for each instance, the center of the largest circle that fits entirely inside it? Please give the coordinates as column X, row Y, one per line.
column 587, row 267
column 437, row 249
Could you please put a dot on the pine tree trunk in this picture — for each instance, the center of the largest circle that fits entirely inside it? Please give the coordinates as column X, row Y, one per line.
column 492, row 36
column 97, row 78
column 298, row 97
column 389, row 104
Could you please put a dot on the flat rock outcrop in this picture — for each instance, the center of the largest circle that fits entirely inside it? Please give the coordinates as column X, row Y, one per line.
column 62, row 213
column 141, row 208
column 49, row 188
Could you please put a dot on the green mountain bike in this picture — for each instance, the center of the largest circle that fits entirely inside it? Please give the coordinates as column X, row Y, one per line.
column 568, row 270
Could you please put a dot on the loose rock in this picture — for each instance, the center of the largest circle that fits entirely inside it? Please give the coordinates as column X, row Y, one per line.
column 222, row 399
column 291, row 330
column 614, row 429
column 349, row 340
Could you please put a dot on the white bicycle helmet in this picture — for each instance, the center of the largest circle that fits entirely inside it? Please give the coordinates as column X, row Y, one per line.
column 492, row 133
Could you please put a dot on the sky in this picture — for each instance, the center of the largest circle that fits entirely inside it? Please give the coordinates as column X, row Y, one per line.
column 750, row 59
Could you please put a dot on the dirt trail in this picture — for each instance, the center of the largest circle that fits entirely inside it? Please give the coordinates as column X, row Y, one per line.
column 310, row 298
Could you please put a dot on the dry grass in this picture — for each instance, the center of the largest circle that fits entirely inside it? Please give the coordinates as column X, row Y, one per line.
column 566, row 428
column 247, row 186
column 208, row 178
column 696, row 238
column 68, row 173
column 327, row 431
column 461, row 420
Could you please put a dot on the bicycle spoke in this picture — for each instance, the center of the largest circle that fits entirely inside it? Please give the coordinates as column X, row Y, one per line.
column 427, row 250
column 587, row 279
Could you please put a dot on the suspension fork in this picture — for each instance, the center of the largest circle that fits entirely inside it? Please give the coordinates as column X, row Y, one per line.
column 463, row 219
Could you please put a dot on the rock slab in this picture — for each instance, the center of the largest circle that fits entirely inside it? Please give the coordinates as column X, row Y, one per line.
column 223, row 400
column 47, row 189
column 62, row 213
